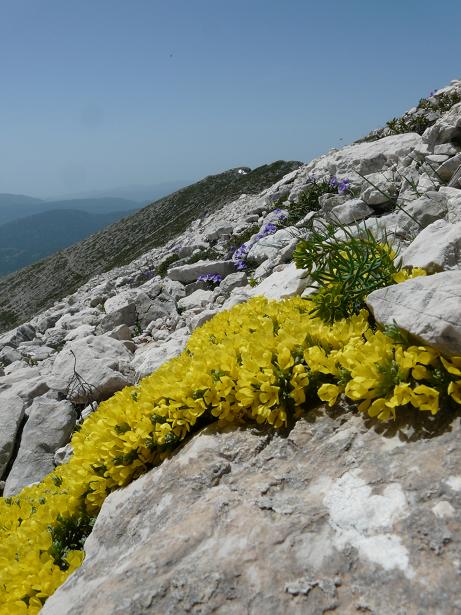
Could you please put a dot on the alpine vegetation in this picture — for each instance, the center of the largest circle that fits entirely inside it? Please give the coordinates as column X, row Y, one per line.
column 273, row 386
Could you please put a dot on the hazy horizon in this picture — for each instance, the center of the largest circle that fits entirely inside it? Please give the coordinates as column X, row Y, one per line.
column 112, row 94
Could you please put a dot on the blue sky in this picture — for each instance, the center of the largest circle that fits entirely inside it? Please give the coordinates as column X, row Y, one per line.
column 105, row 93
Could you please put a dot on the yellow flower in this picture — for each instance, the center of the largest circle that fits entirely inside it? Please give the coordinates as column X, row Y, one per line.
column 403, row 394
column 329, row 393
column 425, row 398
column 453, row 366
column 454, row 390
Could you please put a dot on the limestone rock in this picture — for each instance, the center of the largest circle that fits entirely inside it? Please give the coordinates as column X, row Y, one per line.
column 198, row 298
column 101, row 361
column 273, row 246
column 79, row 332
column 446, row 129
column 337, row 516
column 135, row 306
column 189, row 273
column 11, row 415
column 416, row 215
column 447, row 169
column 13, row 338
column 9, row 355
column 151, row 356
column 48, row 428
column 63, row 454
column 286, row 282
column 26, row 382
column 436, row 248
column 366, row 157
column 453, row 196
column 233, row 280
column 426, row 307
column 379, row 188
column 351, row 211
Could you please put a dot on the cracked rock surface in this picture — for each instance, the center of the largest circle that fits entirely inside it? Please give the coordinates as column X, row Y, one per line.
column 241, row 521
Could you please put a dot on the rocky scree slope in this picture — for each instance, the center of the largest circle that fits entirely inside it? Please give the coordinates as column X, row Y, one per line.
column 36, row 287
column 341, row 513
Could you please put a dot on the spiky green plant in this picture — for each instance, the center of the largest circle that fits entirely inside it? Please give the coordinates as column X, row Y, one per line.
column 344, row 270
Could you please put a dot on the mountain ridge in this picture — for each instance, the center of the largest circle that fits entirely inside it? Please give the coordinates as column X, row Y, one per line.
column 36, row 287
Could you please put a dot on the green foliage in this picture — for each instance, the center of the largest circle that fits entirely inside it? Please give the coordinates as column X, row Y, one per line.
column 203, row 255
column 410, row 123
column 237, row 240
column 442, row 103
column 7, row 319
column 345, row 270
column 418, row 122
column 165, row 265
column 69, row 534
column 308, row 201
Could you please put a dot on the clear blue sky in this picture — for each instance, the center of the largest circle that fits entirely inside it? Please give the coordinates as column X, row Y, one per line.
column 102, row 93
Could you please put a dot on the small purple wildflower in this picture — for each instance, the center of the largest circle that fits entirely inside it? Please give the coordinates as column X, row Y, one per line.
column 240, row 255
column 333, row 181
column 280, row 215
column 344, row 185
column 212, row 278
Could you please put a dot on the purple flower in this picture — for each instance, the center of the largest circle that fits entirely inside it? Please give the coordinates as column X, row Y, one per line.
column 333, row 181
column 279, row 214
column 240, row 253
column 344, row 185
column 269, row 229
column 211, row 278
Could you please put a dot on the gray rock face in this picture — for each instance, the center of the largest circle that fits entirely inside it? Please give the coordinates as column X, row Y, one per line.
column 426, row 307
column 197, row 299
column 453, row 196
column 23, row 333
column 189, row 273
column 446, row 129
column 379, row 188
column 335, row 517
column 26, row 382
column 9, row 355
column 286, row 282
column 350, row 211
column 276, row 246
column 152, row 355
column 11, row 414
column 101, row 361
column 234, row 280
column 48, row 428
column 436, row 248
column 447, row 169
column 135, row 306
column 418, row 214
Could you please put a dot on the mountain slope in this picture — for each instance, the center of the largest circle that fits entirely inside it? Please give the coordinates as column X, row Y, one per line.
column 30, row 239
column 31, row 290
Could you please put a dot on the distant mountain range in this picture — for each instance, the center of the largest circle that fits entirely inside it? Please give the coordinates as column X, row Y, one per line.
column 27, row 240
column 142, row 193
column 16, row 206
column 33, row 228
column 37, row 286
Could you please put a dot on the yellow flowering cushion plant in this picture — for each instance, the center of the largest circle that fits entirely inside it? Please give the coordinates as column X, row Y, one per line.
column 262, row 362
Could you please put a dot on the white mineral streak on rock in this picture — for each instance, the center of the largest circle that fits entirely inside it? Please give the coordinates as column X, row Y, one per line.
column 361, row 518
